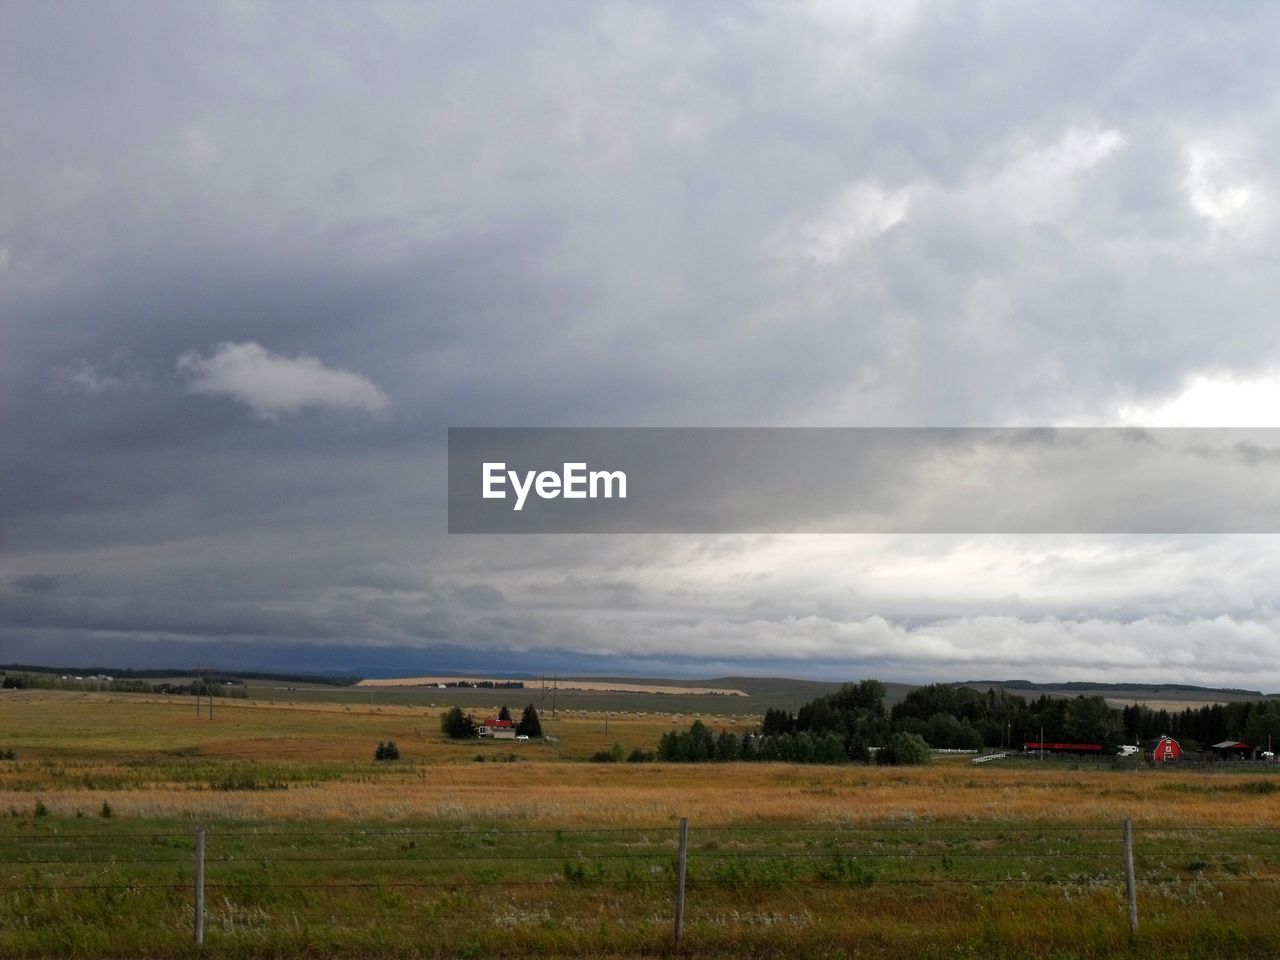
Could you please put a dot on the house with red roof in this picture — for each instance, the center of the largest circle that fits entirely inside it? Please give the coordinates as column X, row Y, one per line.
column 495, row 729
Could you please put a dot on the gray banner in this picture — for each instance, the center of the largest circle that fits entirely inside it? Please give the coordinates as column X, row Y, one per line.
column 856, row 480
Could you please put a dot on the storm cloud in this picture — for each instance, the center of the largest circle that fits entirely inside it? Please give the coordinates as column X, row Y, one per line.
column 255, row 261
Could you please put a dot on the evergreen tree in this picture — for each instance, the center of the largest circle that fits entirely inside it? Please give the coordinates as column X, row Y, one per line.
column 529, row 725
column 458, row 725
column 727, row 746
column 504, row 713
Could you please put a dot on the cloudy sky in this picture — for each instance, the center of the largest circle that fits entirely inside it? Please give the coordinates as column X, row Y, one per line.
column 255, row 259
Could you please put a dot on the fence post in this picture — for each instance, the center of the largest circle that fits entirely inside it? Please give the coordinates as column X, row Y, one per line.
column 199, row 886
column 1130, row 881
column 682, row 862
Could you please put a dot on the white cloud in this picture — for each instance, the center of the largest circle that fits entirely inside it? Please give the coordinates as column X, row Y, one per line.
column 272, row 385
column 1212, row 400
column 81, row 376
column 116, row 373
column 1035, row 181
column 1038, row 180
column 859, row 214
column 1214, row 190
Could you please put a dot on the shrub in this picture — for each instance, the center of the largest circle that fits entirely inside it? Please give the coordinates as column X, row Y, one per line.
column 613, row 755
column 904, row 749
column 640, row 755
column 387, row 751
column 105, row 812
column 242, row 780
column 41, row 809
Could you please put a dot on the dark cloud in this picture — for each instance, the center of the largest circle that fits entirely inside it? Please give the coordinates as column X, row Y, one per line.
column 40, row 584
column 609, row 215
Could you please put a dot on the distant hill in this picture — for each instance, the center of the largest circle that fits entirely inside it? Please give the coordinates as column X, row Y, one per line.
column 1082, row 685
column 776, row 690
column 1122, row 691
column 123, row 673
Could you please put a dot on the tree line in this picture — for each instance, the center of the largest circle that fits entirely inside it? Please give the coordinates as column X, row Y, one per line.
column 852, row 725
column 45, row 681
column 961, row 717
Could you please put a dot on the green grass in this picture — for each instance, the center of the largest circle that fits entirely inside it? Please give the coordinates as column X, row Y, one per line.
column 93, row 887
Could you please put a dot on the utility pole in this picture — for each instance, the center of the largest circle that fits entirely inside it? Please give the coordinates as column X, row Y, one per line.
column 200, row 686
column 555, row 685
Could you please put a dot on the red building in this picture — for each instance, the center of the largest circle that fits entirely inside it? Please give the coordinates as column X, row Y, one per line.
column 498, row 729
column 1163, row 749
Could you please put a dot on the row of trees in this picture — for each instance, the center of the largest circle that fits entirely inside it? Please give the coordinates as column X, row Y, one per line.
column 846, row 725
column 961, row 717
column 699, row 744
column 838, row 728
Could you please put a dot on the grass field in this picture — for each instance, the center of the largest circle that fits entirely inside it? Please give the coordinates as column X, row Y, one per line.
column 470, row 849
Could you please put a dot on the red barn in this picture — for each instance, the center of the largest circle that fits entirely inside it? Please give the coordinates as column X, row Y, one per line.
column 1162, row 749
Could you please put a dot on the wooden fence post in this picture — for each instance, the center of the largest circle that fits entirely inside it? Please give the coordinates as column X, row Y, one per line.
column 682, row 862
column 1130, row 880
column 199, row 886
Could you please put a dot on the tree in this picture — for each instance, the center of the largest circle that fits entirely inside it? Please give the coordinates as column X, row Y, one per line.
column 529, row 725
column 458, row 725
column 944, row 731
column 727, row 746
column 504, row 713
column 387, row 751
column 855, row 748
column 1092, row 720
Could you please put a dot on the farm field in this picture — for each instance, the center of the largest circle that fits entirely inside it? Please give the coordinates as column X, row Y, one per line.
column 503, row 848
column 760, row 695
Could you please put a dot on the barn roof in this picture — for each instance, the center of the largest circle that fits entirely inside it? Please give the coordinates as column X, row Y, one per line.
column 1232, row 745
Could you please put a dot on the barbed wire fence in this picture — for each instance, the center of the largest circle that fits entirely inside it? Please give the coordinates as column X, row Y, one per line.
column 303, row 871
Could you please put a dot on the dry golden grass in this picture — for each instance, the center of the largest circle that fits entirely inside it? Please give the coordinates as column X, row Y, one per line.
column 71, row 744
column 561, row 684
column 580, row 794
